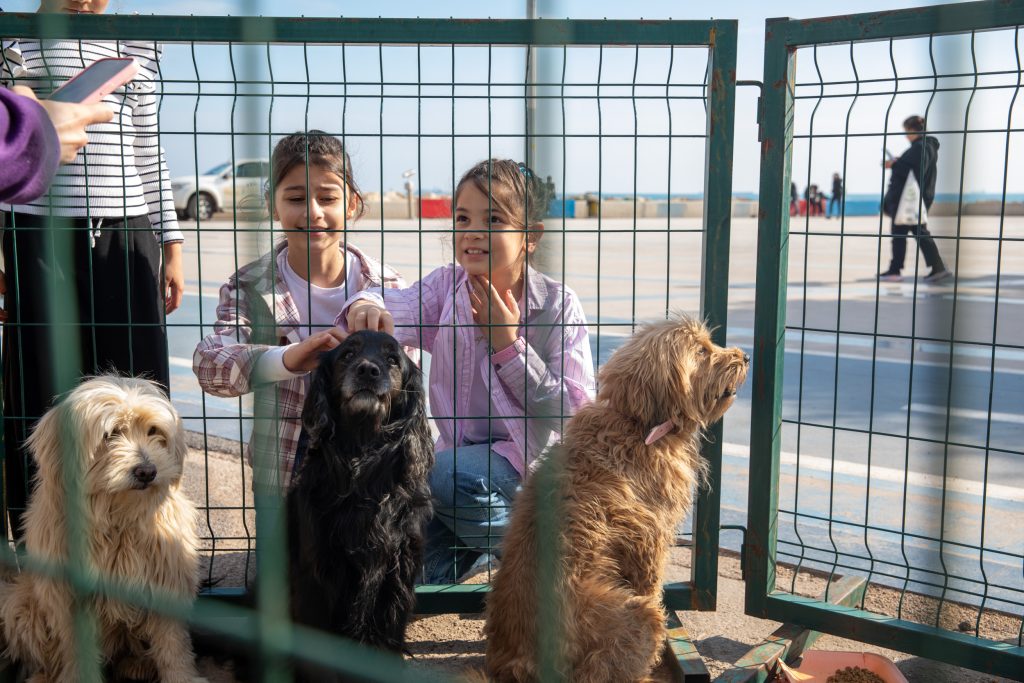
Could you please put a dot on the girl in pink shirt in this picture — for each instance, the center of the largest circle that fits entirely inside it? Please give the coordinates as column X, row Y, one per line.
column 510, row 360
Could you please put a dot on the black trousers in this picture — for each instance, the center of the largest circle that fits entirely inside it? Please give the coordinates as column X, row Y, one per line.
column 95, row 309
column 924, row 242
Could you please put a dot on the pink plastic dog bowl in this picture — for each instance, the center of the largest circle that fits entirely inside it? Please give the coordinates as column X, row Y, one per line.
column 817, row 665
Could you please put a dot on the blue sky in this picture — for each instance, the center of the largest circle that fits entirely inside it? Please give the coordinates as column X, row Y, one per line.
column 381, row 163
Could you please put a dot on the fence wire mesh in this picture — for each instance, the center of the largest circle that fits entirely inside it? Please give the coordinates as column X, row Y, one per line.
column 896, row 397
column 627, row 126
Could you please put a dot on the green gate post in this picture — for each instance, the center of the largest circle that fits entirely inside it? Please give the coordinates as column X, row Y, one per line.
column 715, row 296
column 769, row 317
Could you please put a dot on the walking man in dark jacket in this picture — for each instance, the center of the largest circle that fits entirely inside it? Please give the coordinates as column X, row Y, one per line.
column 920, row 159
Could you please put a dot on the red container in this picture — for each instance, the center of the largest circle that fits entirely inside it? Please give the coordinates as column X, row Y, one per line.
column 436, row 207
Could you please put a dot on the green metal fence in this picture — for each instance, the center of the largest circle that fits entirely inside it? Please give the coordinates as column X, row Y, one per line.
column 886, row 413
column 638, row 113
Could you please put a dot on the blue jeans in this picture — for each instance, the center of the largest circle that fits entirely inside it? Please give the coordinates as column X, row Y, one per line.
column 836, row 202
column 473, row 489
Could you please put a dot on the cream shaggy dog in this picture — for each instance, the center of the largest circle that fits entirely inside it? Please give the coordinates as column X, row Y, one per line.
column 605, row 505
column 126, row 445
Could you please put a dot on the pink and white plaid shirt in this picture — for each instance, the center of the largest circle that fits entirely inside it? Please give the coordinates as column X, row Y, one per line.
column 256, row 312
column 536, row 383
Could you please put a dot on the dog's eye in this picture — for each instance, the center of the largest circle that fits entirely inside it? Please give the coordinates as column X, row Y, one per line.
column 152, row 431
column 347, row 355
column 393, row 360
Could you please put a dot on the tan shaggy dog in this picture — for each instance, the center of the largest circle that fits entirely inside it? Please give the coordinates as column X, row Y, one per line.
column 610, row 496
column 125, row 443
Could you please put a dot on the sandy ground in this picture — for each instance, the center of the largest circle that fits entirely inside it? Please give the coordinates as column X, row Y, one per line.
column 454, row 642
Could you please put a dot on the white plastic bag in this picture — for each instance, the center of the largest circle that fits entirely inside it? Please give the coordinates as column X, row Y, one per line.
column 911, row 209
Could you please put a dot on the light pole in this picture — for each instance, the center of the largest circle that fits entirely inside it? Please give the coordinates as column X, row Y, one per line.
column 543, row 124
column 409, row 187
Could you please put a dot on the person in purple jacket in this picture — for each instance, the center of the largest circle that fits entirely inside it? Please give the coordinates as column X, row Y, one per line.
column 510, row 361
column 36, row 136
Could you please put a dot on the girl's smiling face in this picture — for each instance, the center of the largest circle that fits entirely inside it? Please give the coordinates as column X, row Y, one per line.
column 500, row 251
column 316, row 217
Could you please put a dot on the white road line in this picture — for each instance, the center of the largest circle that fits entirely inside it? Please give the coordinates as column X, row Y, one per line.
column 918, row 363
column 966, row 413
column 964, row 486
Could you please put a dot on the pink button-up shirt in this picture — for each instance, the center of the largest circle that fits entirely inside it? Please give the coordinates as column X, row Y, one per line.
column 536, row 384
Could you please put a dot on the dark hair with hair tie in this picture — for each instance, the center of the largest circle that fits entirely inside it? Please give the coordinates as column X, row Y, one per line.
column 513, row 187
column 316, row 148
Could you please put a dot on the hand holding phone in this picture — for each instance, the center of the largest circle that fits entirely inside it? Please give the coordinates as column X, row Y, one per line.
column 96, row 81
column 70, row 121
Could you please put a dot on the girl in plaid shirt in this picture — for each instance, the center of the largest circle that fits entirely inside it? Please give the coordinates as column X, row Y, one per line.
column 276, row 315
column 510, row 360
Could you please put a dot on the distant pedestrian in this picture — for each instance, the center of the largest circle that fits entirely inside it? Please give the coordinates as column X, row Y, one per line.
column 794, row 200
column 908, row 198
column 837, row 196
column 814, row 201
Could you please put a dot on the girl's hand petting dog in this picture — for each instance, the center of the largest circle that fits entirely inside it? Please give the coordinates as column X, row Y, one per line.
column 496, row 314
column 305, row 356
column 366, row 315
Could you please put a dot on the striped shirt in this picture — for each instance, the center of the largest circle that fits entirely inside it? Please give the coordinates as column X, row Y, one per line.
column 122, row 172
column 536, row 383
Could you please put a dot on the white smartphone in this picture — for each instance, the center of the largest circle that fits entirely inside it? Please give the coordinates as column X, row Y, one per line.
column 98, row 80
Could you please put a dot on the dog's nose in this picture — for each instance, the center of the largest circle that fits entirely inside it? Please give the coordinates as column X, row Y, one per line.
column 367, row 369
column 746, row 359
column 145, row 473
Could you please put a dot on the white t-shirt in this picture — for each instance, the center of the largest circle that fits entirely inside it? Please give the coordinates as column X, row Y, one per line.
column 317, row 306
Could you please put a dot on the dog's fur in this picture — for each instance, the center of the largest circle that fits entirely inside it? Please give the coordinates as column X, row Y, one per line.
column 607, row 505
column 125, row 444
column 360, row 499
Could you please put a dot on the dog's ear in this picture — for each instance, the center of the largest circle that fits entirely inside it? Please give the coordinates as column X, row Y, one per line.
column 411, row 418
column 180, row 445
column 318, row 411
column 411, row 399
column 63, row 438
column 648, row 378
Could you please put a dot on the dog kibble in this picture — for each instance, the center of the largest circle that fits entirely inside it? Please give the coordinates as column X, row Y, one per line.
column 854, row 674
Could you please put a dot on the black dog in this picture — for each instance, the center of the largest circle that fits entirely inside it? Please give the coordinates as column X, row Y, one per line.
column 359, row 497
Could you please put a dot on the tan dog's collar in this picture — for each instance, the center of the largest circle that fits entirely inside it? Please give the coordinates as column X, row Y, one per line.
column 659, row 431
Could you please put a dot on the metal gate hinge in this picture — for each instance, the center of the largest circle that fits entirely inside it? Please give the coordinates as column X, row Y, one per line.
column 760, row 106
